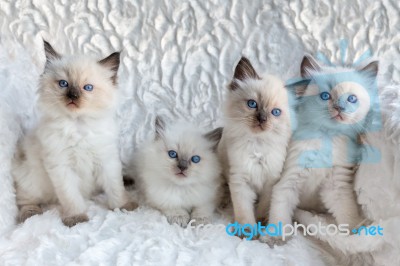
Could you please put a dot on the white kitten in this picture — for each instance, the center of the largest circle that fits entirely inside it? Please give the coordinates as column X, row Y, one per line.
column 178, row 173
column 254, row 142
column 377, row 186
column 319, row 169
column 73, row 151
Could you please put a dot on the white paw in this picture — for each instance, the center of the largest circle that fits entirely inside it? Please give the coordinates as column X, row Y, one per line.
column 200, row 220
column 271, row 241
column 303, row 217
column 71, row 221
column 181, row 220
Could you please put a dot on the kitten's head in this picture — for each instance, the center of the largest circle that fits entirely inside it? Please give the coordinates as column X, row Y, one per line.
column 77, row 85
column 184, row 155
column 337, row 98
column 258, row 104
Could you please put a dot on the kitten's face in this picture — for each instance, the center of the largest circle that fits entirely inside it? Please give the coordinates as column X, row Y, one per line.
column 78, row 85
column 261, row 105
column 344, row 103
column 337, row 98
column 185, row 156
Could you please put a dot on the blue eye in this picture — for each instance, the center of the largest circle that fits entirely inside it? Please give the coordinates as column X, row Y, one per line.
column 63, row 83
column 172, row 154
column 352, row 99
column 325, row 96
column 88, row 87
column 276, row 112
column 196, row 159
column 252, row 104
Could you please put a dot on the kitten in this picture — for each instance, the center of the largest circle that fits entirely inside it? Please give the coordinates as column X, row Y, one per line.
column 254, row 142
column 319, row 169
column 378, row 192
column 178, row 173
column 73, row 150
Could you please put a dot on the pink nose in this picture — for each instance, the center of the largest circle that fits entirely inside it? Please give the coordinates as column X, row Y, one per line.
column 338, row 108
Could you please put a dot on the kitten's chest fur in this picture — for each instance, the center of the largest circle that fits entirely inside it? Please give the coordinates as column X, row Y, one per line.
column 78, row 142
column 328, row 159
column 167, row 195
column 257, row 159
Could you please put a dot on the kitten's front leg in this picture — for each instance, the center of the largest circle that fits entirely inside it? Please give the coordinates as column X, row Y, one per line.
column 285, row 198
column 27, row 211
column 66, row 185
column 264, row 202
column 338, row 196
column 243, row 198
column 177, row 216
column 113, row 185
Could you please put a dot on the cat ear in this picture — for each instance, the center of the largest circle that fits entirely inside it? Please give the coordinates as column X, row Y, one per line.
column 214, row 136
column 371, row 68
column 50, row 53
column 159, row 127
column 112, row 62
column 244, row 70
column 298, row 88
column 308, row 64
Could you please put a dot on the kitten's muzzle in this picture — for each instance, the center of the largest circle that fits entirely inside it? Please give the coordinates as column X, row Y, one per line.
column 183, row 165
column 73, row 94
column 261, row 117
column 338, row 108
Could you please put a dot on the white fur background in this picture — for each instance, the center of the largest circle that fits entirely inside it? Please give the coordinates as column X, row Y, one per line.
column 177, row 57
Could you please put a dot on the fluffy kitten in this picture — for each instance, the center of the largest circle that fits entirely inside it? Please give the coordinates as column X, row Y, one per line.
column 73, row 151
column 178, row 173
column 254, row 142
column 377, row 186
column 319, row 169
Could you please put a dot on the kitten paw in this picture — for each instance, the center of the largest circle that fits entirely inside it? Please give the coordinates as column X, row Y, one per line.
column 75, row 219
column 271, row 241
column 130, row 206
column 302, row 216
column 181, row 220
column 28, row 211
column 200, row 220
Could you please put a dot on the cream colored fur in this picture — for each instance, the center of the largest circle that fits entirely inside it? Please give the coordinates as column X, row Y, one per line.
column 192, row 196
column 73, row 151
column 377, row 186
column 321, row 189
column 253, row 155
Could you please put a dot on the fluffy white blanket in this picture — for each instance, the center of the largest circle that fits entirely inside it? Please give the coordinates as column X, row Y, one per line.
column 177, row 57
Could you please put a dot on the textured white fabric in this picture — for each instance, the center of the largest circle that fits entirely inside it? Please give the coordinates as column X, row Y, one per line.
column 177, row 57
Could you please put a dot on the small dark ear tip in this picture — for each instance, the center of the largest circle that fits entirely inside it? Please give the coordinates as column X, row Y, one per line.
column 372, row 67
column 116, row 56
column 307, row 57
column 46, row 44
column 159, row 125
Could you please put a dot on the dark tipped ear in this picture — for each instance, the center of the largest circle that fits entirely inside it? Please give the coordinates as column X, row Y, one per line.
column 298, row 88
column 50, row 53
column 214, row 136
column 159, row 127
column 308, row 64
column 372, row 68
column 244, row 70
column 112, row 62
